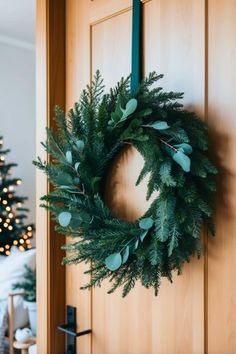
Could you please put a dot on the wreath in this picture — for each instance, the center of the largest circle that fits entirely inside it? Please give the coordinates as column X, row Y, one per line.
column 173, row 143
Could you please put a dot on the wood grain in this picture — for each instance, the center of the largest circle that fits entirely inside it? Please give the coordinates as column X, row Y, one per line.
column 174, row 44
column 222, row 108
column 50, row 90
column 193, row 43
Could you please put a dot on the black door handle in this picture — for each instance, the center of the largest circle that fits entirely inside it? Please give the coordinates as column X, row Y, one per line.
column 70, row 330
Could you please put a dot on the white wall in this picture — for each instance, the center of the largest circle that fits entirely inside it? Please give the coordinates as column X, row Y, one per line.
column 17, row 115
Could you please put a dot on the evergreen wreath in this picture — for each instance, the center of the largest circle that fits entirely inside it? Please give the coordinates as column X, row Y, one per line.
column 173, row 143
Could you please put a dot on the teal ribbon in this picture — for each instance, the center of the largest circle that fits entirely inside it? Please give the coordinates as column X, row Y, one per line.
column 136, row 62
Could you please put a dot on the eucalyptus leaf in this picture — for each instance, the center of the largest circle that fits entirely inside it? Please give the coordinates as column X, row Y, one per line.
column 114, row 261
column 136, row 244
column 130, row 108
column 64, row 218
column 76, row 180
column 77, row 165
column 158, row 125
column 80, row 145
column 143, row 235
column 69, row 156
column 183, row 160
column 125, row 254
column 146, row 223
column 186, row 148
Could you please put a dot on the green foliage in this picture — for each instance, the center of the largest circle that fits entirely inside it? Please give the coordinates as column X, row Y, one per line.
column 173, row 143
column 28, row 285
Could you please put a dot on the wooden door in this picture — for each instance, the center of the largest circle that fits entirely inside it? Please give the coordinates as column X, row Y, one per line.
column 98, row 36
column 193, row 43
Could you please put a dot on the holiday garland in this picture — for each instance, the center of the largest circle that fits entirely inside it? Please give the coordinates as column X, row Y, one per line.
column 173, row 143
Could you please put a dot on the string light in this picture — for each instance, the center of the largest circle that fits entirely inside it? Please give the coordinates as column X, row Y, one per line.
column 8, row 218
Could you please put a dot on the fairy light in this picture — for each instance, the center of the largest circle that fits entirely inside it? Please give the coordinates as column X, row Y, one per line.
column 8, row 220
column 21, row 241
column 25, row 237
column 19, row 204
column 27, row 242
column 29, row 234
column 10, row 196
column 21, row 248
column 0, row 219
column 18, row 182
column 29, row 228
column 7, row 247
column 29, row 246
column 0, row 230
column 2, row 158
column 17, row 221
column 5, row 190
column 5, row 224
column 10, row 215
column 4, row 202
column 7, row 253
column 1, row 249
column 11, row 188
column 8, row 208
column 15, row 242
column 10, row 228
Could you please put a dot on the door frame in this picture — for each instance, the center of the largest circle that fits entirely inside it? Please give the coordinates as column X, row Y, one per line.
column 50, row 90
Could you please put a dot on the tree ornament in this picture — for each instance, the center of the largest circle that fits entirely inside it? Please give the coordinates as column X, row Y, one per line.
column 173, row 143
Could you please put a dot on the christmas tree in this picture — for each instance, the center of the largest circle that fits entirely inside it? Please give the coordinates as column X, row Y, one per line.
column 13, row 230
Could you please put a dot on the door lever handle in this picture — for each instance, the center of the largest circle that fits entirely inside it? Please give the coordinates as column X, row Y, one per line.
column 70, row 330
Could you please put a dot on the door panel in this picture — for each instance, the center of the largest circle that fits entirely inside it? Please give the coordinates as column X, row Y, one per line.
column 222, row 108
column 99, row 37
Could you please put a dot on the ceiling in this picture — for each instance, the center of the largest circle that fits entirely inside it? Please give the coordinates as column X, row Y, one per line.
column 17, row 21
